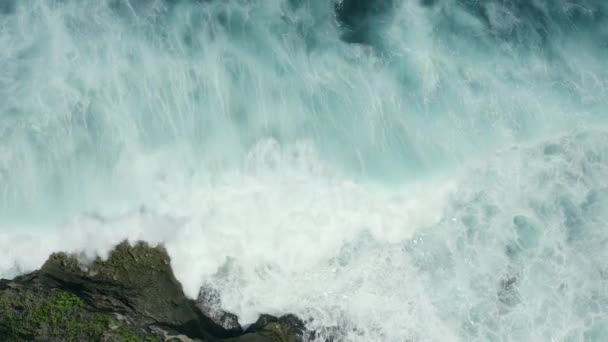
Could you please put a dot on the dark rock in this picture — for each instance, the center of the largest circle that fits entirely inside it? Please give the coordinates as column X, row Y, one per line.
column 32, row 312
column 290, row 322
column 137, row 282
column 288, row 328
column 210, row 303
column 133, row 296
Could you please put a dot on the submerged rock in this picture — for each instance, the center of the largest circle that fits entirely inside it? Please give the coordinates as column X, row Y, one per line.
column 267, row 328
column 132, row 296
column 209, row 301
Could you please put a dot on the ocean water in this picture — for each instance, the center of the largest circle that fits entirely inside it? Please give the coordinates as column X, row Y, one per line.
column 386, row 170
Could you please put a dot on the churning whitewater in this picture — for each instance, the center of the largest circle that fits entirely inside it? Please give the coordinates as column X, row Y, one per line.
column 429, row 170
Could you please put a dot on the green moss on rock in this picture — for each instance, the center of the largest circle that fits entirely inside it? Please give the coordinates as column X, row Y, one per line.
column 133, row 296
column 57, row 315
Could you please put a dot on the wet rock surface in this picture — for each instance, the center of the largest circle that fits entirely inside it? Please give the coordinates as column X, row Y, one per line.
column 132, row 296
column 210, row 303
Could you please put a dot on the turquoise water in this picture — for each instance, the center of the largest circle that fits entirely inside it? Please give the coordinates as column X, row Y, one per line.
column 425, row 170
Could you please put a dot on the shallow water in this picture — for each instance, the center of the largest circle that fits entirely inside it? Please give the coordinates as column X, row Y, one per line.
column 416, row 171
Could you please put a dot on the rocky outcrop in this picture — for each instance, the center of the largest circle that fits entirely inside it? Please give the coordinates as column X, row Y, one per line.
column 288, row 328
column 132, row 296
column 210, row 303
